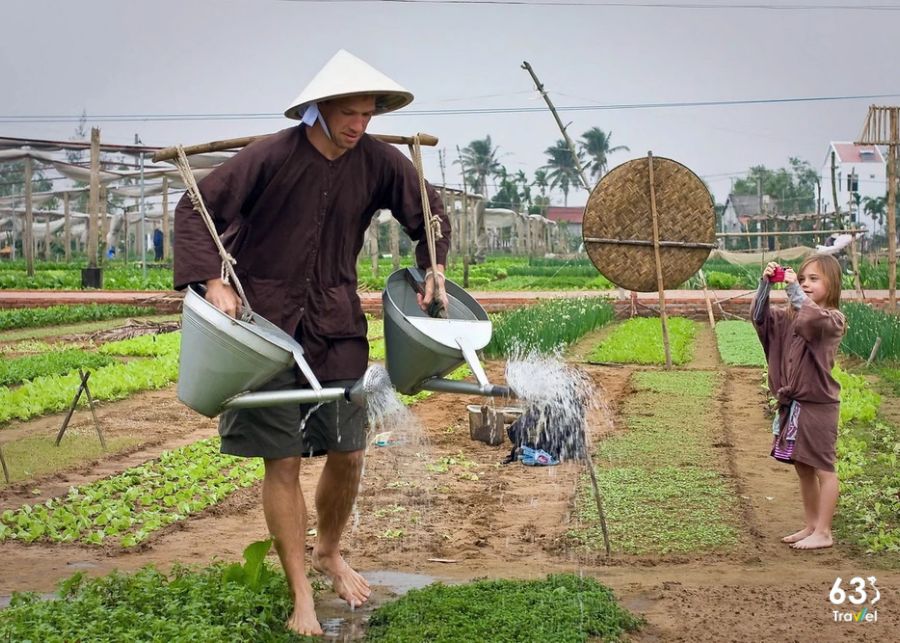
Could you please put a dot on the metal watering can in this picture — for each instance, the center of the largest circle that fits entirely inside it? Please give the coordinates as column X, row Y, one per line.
column 223, row 360
column 420, row 350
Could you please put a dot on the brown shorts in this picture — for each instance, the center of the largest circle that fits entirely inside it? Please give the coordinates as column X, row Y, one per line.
column 273, row 432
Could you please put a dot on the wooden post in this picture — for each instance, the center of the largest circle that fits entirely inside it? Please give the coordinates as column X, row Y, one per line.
column 659, row 275
column 892, row 209
column 709, row 309
column 28, row 228
column 395, row 243
column 5, row 469
column 838, row 217
column 67, row 228
column 167, row 252
column 104, row 226
column 94, row 207
column 373, row 245
column 463, row 231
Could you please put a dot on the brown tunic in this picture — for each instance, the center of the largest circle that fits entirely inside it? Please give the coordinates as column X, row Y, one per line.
column 800, row 349
column 295, row 222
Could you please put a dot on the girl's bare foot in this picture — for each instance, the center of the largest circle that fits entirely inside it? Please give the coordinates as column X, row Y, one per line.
column 800, row 535
column 346, row 581
column 815, row 540
column 303, row 620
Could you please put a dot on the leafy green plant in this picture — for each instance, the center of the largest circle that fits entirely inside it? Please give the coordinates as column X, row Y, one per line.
column 132, row 505
column 198, row 605
column 563, row 608
column 145, row 345
column 52, row 393
column 13, row 371
column 739, row 344
column 639, row 341
column 55, row 315
column 864, row 326
column 546, row 326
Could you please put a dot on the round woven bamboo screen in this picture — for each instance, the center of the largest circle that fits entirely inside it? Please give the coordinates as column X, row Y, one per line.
column 618, row 224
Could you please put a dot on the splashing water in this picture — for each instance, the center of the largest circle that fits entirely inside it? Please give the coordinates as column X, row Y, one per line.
column 557, row 397
column 385, row 412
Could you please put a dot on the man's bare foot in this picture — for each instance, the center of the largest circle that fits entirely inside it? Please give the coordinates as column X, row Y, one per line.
column 815, row 540
column 346, row 581
column 800, row 535
column 303, row 620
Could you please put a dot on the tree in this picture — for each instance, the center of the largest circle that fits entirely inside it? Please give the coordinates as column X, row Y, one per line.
column 875, row 207
column 562, row 168
column 479, row 161
column 595, row 143
column 794, row 188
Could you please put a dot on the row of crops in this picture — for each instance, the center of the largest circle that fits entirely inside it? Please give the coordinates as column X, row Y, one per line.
column 129, row 508
column 500, row 272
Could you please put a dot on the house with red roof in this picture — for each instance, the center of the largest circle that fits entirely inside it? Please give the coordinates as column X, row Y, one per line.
column 859, row 170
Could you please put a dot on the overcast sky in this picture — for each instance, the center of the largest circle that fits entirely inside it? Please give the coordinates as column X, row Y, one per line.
column 140, row 59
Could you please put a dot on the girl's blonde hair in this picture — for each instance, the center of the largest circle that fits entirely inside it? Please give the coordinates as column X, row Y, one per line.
column 830, row 269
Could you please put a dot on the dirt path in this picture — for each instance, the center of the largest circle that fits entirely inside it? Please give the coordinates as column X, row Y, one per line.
column 449, row 498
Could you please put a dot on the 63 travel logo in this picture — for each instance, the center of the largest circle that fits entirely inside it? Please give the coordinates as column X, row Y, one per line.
column 855, row 596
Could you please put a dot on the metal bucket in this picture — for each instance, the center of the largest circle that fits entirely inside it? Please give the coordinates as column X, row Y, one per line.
column 222, row 357
column 420, row 350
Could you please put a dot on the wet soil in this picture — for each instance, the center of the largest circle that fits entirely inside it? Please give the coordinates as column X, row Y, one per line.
column 446, row 509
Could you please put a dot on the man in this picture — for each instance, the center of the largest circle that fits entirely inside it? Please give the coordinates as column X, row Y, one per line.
column 292, row 209
column 158, row 240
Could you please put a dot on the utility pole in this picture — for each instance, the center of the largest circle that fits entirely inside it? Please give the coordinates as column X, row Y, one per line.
column 463, row 221
column 28, row 230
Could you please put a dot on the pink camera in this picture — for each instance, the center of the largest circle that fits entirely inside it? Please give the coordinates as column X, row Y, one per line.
column 777, row 275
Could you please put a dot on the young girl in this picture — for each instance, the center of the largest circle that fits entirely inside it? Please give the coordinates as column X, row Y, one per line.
column 800, row 343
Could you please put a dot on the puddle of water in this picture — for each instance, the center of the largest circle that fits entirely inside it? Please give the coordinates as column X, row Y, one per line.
column 340, row 622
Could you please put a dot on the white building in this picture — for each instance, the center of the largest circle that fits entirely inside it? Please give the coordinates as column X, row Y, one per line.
column 859, row 169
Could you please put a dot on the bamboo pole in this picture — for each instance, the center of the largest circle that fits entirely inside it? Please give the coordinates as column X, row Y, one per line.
column 709, row 308
column 562, row 128
column 169, row 153
column 892, row 208
column 167, row 252
column 793, row 233
column 658, row 260
column 67, row 228
column 28, row 231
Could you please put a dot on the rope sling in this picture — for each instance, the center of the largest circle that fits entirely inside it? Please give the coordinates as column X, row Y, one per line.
column 228, row 274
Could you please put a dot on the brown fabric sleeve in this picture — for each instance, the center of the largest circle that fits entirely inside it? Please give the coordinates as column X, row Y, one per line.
column 814, row 322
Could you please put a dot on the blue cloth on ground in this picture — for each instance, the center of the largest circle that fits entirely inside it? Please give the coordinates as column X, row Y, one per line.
column 536, row 457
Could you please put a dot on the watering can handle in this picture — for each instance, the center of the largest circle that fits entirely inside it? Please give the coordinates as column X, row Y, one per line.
column 413, row 278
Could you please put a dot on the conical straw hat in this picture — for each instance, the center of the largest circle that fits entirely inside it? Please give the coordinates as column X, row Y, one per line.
column 347, row 75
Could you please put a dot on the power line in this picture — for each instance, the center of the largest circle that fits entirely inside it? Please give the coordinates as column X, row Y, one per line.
column 714, row 6
column 212, row 116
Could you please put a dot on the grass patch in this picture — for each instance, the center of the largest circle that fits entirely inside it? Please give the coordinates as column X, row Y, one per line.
column 662, row 491
column 739, row 344
column 37, row 455
column 639, row 341
column 201, row 606
column 75, row 329
column 561, row 609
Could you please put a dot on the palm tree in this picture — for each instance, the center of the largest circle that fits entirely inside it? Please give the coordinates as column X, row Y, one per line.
column 875, row 207
column 479, row 161
column 562, row 168
column 595, row 143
